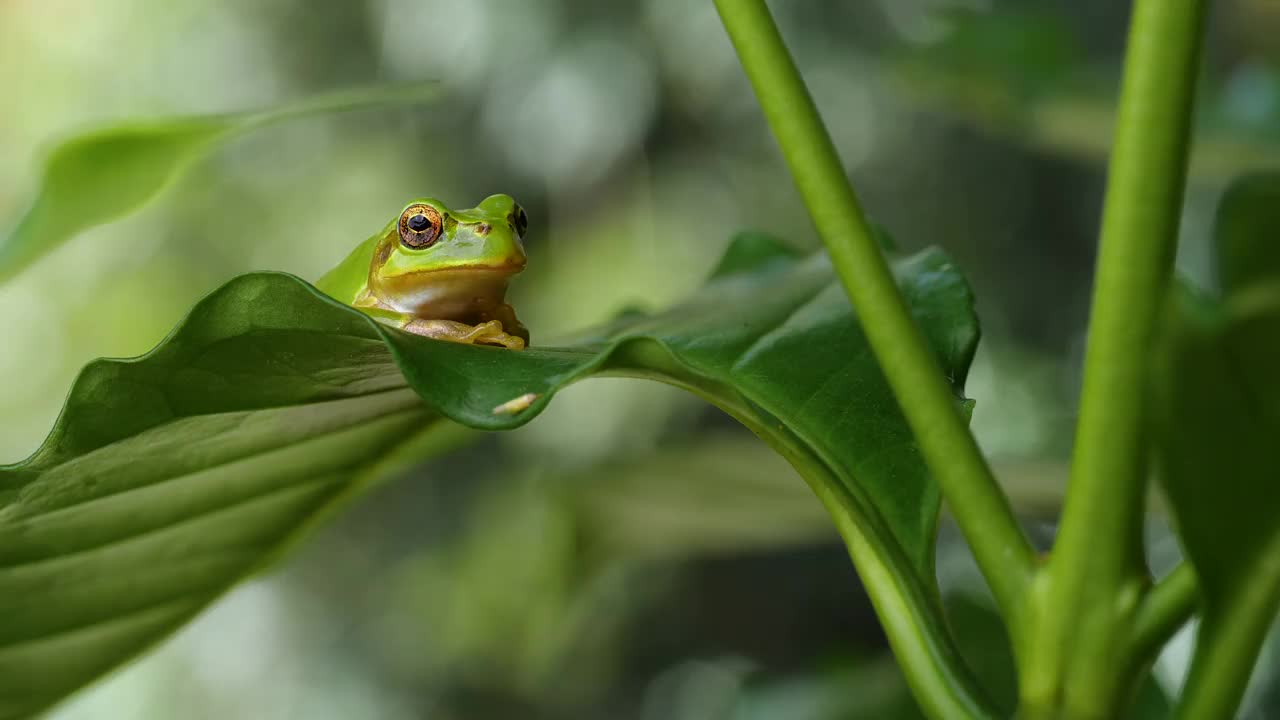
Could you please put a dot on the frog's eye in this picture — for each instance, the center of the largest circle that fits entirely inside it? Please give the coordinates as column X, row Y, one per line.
column 420, row 226
column 520, row 221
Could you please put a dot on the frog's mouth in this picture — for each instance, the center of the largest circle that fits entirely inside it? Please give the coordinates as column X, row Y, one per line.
column 455, row 273
column 447, row 293
column 506, row 269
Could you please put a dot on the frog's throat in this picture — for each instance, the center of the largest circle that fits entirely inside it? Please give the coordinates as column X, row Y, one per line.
column 458, row 293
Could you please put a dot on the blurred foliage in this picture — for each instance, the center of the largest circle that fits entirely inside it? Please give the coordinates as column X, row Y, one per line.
column 629, row 135
column 101, row 175
column 1024, row 74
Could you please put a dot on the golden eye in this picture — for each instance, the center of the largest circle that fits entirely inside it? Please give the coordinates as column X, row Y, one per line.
column 420, row 226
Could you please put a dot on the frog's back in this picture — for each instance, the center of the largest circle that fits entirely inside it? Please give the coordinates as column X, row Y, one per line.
column 348, row 280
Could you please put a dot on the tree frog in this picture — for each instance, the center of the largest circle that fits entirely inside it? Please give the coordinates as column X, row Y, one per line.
column 439, row 272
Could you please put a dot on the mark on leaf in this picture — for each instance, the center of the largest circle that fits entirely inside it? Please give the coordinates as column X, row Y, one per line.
column 516, row 404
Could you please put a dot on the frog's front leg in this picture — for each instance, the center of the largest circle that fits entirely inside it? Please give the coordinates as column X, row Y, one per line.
column 486, row 333
column 506, row 315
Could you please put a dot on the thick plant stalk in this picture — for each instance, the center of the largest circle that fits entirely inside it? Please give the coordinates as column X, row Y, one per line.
column 1083, row 607
column 979, row 506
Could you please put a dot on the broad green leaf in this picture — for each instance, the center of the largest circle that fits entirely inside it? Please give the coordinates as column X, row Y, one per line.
column 1222, row 391
column 107, row 173
column 1217, row 415
column 168, row 477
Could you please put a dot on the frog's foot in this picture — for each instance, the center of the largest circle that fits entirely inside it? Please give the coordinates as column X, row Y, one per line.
column 486, row 333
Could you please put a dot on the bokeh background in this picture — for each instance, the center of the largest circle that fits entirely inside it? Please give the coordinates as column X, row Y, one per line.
column 632, row 553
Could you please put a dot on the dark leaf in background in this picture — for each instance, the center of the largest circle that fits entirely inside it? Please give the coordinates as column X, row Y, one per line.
column 1217, row 418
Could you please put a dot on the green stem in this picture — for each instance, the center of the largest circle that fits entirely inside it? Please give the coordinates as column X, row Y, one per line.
column 1097, row 567
column 1164, row 610
column 980, row 508
column 1230, row 637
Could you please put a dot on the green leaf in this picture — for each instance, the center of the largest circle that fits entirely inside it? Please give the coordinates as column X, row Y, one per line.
column 167, row 478
column 107, row 173
column 1221, row 396
column 1217, row 415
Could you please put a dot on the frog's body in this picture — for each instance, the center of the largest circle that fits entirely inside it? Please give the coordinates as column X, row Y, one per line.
column 439, row 272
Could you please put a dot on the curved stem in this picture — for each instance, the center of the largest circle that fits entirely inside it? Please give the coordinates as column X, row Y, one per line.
column 940, row 680
column 981, row 509
column 1164, row 610
column 1234, row 625
column 1097, row 567
column 938, row 677
column 1227, row 646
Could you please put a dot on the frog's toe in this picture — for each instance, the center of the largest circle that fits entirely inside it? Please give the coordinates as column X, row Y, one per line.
column 492, row 333
column 510, row 342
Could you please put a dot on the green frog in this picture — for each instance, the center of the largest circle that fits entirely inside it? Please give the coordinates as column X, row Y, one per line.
column 440, row 273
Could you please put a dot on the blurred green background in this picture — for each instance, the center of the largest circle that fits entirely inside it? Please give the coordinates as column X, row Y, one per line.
column 632, row 553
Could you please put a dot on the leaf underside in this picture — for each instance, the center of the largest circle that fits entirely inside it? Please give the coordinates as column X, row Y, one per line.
column 170, row 477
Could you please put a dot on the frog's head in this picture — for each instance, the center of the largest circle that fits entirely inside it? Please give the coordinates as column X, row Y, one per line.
column 431, row 252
